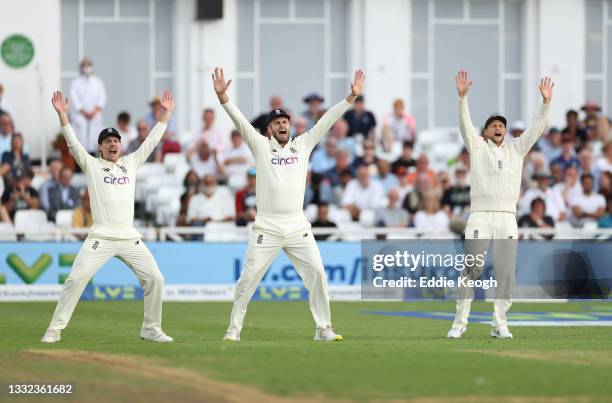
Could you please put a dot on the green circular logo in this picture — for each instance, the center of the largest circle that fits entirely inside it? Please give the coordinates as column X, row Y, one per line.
column 17, row 51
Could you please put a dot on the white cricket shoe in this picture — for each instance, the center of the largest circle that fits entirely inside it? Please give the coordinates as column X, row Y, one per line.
column 456, row 332
column 156, row 336
column 501, row 333
column 229, row 336
column 52, row 336
column 326, row 334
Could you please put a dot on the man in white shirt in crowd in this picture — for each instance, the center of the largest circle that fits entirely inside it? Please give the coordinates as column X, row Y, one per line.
column 363, row 193
column 496, row 168
column 212, row 203
column 111, row 183
column 604, row 162
column 432, row 217
column 236, row 161
column 87, row 100
column 210, row 133
column 570, row 187
column 204, row 161
column 587, row 207
column 555, row 205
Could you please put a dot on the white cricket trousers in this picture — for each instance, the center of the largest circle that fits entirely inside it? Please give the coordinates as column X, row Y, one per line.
column 93, row 254
column 269, row 235
column 499, row 229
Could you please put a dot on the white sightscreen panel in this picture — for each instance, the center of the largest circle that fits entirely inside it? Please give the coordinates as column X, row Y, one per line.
column 340, row 88
column 134, row 8
column 301, row 69
column 419, row 99
column 309, row 9
column 66, row 85
column 163, row 35
column 484, row 9
column 420, row 19
column 513, row 96
column 513, row 37
column 448, row 9
column 610, row 9
column 339, row 36
column 245, row 91
column 274, row 8
column 593, row 90
column 98, row 8
column 246, row 33
column 70, row 34
column 594, row 37
column 121, row 58
column 162, row 84
column 453, row 50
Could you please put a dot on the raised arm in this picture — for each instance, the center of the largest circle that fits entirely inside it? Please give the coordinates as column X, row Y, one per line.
column 529, row 137
column 247, row 131
column 153, row 138
column 313, row 136
column 81, row 156
column 468, row 132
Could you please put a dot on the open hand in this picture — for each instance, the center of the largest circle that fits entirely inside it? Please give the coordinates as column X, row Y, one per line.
column 219, row 81
column 463, row 83
column 357, row 84
column 60, row 103
column 167, row 101
column 546, row 88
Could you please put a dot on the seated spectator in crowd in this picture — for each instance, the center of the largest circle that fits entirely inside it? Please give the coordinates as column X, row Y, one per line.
column 81, row 216
column 21, row 195
column 126, row 130
column 431, row 218
column 314, row 111
column 5, row 105
column 556, row 206
column 63, row 195
column 386, row 178
column 604, row 162
column 591, row 109
column 405, row 159
column 300, row 126
column 368, row 158
column 339, row 131
column 7, row 128
column 342, row 164
column 142, row 131
column 585, row 158
column 211, row 203
column 362, row 193
column 360, row 120
column 536, row 217
column 190, row 184
column 345, row 178
column 261, row 122
column 324, row 158
column 413, row 201
column 567, row 157
column 403, row 186
column 246, row 202
column 456, row 199
column 204, row 161
column 606, row 220
column 393, row 215
column 322, row 220
column 210, row 133
column 318, row 189
column 535, row 161
column 168, row 146
column 556, row 174
column 605, row 184
column 575, row 129
column 155, row 115
column 55, row 169
column 236, row 161
column 60, row 146
column 387, row 148
column 399, row 123
column 550, row 145
column 570, row 187
column 14, row 162
column 422, row 168
column 588, row 207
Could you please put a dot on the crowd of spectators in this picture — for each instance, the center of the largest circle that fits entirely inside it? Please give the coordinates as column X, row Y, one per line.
column 365, row 166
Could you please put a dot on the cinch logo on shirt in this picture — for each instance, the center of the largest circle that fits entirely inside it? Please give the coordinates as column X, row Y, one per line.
column 284, row 161
column 116, row 181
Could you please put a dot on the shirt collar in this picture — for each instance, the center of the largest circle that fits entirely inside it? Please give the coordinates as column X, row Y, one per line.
column 492, row 144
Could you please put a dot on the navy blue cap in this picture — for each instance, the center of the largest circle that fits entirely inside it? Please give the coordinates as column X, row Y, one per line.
column 494, row 118
column 313, row 97
column 276, row 113
column 108, row 132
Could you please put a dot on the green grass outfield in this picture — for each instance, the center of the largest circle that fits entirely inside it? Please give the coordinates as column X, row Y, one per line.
column 382, row 357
